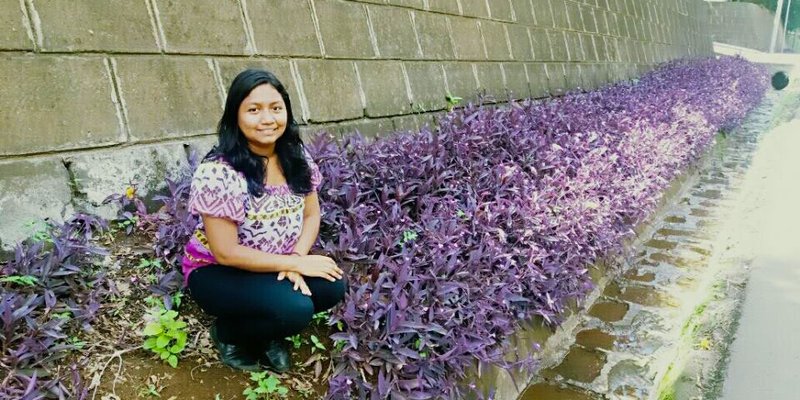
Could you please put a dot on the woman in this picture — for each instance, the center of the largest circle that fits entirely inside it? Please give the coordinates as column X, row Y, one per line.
column 247, row 263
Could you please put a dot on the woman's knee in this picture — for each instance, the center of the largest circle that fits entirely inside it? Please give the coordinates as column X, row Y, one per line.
column 327, row 294
column 295, row 314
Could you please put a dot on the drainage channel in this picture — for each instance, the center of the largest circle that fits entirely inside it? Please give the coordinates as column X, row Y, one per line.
column 624, row 344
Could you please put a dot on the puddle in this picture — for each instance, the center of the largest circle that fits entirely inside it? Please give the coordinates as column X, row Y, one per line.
column 580, row 364
column 625, row 379
column 699, row 212
column 674, row 232
column 609, row 311
column 661, row 244
column 714, row 181
column 595, row 339
column 669, row 259
column 634, row 275
column 647, row 297
column 675, row 219
column 709, row 194
column 700, row 250
column 546, row 391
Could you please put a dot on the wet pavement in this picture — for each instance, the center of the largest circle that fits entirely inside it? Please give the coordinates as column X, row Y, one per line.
column 627, row 343
column 765, row 356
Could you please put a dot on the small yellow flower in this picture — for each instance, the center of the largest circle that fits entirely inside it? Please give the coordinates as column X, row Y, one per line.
column 130, row 192
column 705, row 344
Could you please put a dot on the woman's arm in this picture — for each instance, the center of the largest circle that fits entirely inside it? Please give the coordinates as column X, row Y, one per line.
column 311, row 221
column 223, row 239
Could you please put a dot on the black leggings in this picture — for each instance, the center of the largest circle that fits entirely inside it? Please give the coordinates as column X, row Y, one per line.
column 253, row 308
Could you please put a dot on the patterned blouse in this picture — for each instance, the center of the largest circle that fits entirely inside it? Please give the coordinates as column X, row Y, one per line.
column 271, row 223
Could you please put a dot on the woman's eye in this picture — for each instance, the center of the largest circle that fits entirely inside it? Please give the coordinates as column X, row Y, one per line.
column 277, row 108
column 252, row 110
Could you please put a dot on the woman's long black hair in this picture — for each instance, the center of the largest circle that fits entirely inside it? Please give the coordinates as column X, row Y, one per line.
column 233, row 146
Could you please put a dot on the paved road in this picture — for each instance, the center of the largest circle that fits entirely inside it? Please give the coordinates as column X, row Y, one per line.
column 765, row 356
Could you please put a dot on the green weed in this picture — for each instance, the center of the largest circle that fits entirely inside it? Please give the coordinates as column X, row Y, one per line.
column 165, row 333
column 267, row 387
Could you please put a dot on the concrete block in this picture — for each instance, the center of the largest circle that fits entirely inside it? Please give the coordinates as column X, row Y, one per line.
column 56, row 103
column 433, row 36
column 394, row 32
column 368, row 128
column 427, row 85
column 523, row 12
column 599, row 46
column 601, row 17
column 521, row 48
column 490, row 80
column 467, row 39
column 516, row 80
column 331, row 89
column 31, row 191
column 461, row 81
column 500, row 10
column 494, row 33
column 384, row 88
column 558, row 45
column 444, row 6
column 574, row 46
column 418, row 4
column 270, row 19
column 588, row 72
column 474, row 8
column 560, row 18
column 541, row 45
column 537, row 80
column 590, row 47
column 115, row 25
column 100, row 174
column 574, row 18
column 14, row 35
column 406, row 123
column 572, row 73
column 188, row 28
column 543, row 13
column 344, row 29
column 230, row 67
column 589, row 20
column 556, row 80
column 160, row 94
column 613, row 24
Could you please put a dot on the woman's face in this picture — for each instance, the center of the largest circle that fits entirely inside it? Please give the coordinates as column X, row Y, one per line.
column 262, row 118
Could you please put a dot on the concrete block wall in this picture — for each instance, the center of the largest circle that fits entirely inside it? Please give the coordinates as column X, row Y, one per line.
column 102, row 94
column 743, row 24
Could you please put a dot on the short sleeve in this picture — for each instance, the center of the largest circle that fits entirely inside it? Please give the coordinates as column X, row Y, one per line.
column 219, row 191
column 316, row 176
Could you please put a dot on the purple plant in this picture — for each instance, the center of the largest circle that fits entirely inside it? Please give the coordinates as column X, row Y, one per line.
column 50, row 289
column 456, row 236
column 170, row 227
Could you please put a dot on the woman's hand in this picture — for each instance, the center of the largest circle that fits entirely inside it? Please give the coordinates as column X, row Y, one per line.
column 318, row 266
column 297, row 279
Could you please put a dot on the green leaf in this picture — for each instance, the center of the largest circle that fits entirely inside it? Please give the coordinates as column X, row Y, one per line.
column 149, row 343
column 163, row 341
column 175, row 349
column 250, row 394
column 153, row 329
column 165, row 354
column 317, row 343
column 173, row 361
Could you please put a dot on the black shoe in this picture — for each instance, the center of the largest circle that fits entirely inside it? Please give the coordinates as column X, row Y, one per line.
column 275, row 357
column 232, row 355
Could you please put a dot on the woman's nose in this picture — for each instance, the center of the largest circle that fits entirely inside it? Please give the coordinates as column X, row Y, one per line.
column 267, row 117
